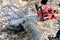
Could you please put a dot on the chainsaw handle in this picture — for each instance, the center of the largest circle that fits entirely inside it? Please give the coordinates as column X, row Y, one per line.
column 36, row 5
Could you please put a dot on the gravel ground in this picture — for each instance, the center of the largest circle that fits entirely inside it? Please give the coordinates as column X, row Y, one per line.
column 49, row 28
column 46, row 28
column 13, row 35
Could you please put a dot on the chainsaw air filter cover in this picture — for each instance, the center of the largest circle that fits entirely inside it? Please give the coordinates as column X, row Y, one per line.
column 44, row 2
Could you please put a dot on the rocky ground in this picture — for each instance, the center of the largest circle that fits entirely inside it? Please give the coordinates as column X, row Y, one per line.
column 46, row 28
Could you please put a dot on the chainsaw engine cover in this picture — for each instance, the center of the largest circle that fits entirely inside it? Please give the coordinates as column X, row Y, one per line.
column 47, row 13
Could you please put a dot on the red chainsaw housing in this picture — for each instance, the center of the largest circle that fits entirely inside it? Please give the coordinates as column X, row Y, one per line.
column 47, row 15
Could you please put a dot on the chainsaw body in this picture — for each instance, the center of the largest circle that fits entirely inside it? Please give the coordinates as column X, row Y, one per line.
column 47, row 13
